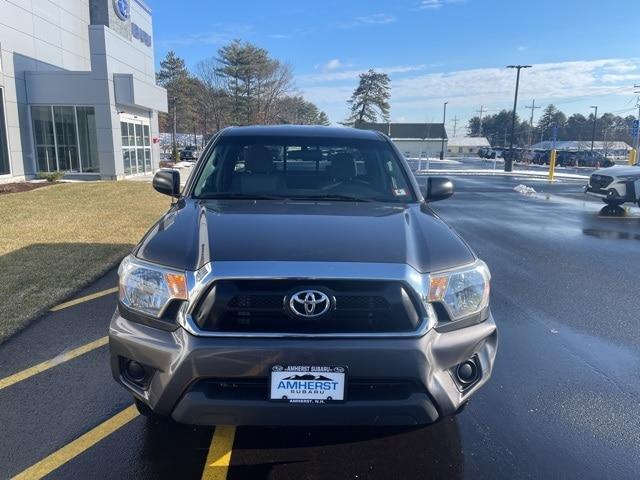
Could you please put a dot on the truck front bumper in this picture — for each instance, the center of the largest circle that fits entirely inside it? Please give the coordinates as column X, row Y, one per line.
column 213, row 381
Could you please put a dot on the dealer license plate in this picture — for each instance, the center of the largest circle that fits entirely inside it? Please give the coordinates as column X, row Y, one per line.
column 307, row 384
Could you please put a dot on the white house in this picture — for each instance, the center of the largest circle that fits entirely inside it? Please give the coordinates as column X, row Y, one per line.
column 414, row 140
column 466, row 146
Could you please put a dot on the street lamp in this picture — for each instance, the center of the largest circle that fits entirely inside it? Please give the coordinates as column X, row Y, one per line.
column 508, row 162
column 444, row 130
column 593, row 132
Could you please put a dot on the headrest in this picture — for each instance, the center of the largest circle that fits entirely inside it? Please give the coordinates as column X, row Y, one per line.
column 343, row 166
column 258, row 159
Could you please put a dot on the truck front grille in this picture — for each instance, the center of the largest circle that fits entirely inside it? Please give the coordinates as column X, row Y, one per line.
column 599, row 182
column 259, row 306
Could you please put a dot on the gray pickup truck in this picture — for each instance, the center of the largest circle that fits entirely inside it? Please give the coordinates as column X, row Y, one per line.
column 301, row 278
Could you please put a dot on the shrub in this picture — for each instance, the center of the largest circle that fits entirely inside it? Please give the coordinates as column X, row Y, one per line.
column 51, row 176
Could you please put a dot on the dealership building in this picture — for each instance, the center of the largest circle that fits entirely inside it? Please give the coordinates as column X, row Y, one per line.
column 77, row 89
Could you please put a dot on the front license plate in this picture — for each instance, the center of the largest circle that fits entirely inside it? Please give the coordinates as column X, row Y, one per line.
column 307, row 384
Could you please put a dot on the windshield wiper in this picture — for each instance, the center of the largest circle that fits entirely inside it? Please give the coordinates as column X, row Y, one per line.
column 239, row 196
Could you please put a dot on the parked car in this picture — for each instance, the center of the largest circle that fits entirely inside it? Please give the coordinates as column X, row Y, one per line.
column 515, row 155
column 188, row 153
column 582, row 158
column 489, row 152
column 615, row 185
column 301, row 277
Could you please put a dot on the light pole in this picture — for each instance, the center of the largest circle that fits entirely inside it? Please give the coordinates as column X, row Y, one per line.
column 508, row 162
column 593, row 131
column 444, row 130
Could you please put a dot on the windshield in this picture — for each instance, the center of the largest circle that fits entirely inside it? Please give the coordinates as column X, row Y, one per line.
column 303, row 168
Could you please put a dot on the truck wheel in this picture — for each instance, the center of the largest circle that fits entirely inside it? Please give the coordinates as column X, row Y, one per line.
column 612, row 203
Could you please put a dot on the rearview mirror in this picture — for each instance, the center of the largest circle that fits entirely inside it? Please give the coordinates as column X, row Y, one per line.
column 167, row 182
column 437, row 188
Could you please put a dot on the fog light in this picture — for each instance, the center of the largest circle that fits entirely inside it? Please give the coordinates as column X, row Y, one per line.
column 135, row 371
column 467, row 372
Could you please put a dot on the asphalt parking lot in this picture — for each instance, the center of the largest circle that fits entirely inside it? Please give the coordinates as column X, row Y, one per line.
column 563, row 401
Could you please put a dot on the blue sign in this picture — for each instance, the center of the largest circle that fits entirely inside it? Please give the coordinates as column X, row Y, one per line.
column 139, row 34
column 122, row 9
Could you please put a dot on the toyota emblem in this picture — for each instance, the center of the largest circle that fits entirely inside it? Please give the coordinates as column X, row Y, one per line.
column 309, row 303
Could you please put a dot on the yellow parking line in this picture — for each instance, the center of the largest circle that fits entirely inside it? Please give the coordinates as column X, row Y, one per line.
column 86, row 298
column 219, row 455
column 81, row 444
column 46, row 365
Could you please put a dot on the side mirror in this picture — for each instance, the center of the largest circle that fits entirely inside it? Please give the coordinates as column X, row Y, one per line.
column 167, row 182
column 437, row 188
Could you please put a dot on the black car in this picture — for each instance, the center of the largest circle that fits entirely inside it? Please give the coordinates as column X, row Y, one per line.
column 188, row 153
column 301, row 277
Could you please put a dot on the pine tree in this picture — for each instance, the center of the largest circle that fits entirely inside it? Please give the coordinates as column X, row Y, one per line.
column 370, row 98
column 173, row 76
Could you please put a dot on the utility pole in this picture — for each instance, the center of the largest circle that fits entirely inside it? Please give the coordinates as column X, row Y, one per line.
column 637, row 139
column 533, row 108
column 444, row 130
column 480, row 111
column 508, row 163
column 455, row 125
column 593, row 131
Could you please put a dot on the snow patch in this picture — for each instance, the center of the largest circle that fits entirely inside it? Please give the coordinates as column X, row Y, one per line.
column 524, row 190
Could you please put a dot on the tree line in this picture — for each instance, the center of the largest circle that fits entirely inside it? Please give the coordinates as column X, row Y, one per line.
column 497, row 127
column 241, row 85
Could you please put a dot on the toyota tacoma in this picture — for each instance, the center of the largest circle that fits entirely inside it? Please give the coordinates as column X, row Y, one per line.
column 300, row 277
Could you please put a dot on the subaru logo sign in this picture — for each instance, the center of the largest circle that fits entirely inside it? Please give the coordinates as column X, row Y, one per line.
column 122, row 9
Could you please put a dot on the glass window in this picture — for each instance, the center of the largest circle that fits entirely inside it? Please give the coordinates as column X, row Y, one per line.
column 139, row 141
column 46, row 158
column 124, row 129
column 306, row 168
column 127, row 161
column 132, row 137
column 147, row 160
column 88, row 139
column 146, row 136
column 66, row 138
column 4, row 146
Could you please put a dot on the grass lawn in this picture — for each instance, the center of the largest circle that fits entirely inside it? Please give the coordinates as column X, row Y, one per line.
column 57, row 239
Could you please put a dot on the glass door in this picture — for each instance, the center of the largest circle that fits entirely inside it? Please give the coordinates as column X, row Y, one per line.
column 136, row 147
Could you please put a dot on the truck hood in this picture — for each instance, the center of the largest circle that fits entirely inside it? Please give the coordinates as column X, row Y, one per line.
column 194, row 233
column 619, row 170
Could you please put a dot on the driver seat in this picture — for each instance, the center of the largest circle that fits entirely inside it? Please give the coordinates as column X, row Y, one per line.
column 343, row 169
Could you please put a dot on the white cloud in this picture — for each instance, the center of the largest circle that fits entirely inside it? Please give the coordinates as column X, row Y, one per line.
column 413, row 92
column 220, row 35
column 522, row 48
column 329, row 76
column 332, row 64
column 279, row 36
column 370, row 20
column 436, row 4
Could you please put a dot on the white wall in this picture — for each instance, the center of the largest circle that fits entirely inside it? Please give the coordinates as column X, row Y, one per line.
column 37, row 35
column 416, row 148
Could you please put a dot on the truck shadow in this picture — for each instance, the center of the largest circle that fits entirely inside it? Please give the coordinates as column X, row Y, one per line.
column 432, row 451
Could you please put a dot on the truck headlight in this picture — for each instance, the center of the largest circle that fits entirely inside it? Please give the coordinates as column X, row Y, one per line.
column 148, row 288
column 463, row 292
column 628, row 178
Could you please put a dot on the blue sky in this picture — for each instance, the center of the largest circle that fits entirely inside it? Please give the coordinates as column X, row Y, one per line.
column 584, row 52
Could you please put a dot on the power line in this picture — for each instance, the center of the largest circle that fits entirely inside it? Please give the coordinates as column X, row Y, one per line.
column 533, row 108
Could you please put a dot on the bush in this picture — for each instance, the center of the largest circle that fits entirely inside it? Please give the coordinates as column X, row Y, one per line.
column 51, row 176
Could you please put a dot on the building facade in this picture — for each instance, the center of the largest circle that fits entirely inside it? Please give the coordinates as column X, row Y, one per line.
column 466, row 146
column 414, row 140
column 77, row 89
